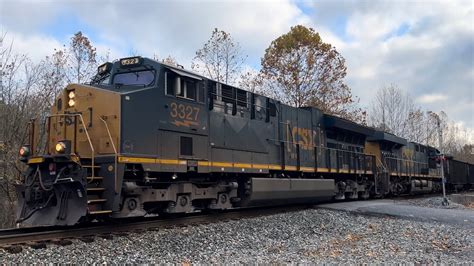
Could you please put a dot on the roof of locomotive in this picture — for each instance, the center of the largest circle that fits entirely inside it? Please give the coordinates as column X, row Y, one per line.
column 389, row 137
column 331, row 121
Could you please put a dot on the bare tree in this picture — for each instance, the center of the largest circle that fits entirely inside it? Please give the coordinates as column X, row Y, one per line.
column 466, row 153
column 170, row 61
column 81, row 59
column 27, row 91
column 418, row 127
column 252, row 81
column 104, row 57
column 394, row 111
column 455, row 136
column 22, row 98
column 220, row 58
column 134, row 52
column 53, row 75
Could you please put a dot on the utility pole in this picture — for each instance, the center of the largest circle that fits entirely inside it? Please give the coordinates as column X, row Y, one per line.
column 440, row 139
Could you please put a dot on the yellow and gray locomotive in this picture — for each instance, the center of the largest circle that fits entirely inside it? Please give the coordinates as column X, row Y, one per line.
column 145, row 138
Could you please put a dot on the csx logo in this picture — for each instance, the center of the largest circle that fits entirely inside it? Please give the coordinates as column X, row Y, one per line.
column 184, row 115
column 408, row 154
column 305, row 137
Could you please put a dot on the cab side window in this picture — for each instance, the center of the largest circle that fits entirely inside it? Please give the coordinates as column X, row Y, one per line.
column 184, row 87
column 170, row 79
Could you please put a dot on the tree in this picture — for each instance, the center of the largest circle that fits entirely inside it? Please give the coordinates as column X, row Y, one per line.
column 53, row 75
column 27, row 91
column 81, row 59
column 251, row 80
column 455, row 136
column 22, row 98
column 302, row 70
column 220, row 58
column 466, row 153
column 393, row 110
column 170, row 61
column 419, row 127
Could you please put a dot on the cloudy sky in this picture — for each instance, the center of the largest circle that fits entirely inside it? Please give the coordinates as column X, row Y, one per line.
column 423, row 47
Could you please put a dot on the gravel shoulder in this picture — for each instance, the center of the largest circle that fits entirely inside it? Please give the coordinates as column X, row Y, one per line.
column 436, row 202
column 309, row 236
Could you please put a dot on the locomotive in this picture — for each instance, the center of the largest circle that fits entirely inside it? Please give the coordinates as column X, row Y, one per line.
column 146, row 138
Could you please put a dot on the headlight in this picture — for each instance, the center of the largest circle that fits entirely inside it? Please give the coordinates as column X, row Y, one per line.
column 24, row 151
column 71, row 103
column 104, row 68
column 71, row 94
column 60, row 147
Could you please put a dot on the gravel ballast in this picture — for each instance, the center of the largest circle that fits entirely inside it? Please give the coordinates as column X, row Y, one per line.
column 309, row 236
column 434, row 202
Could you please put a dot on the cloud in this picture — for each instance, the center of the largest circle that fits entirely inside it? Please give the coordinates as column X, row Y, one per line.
column 431, row 98
column 26, row 16
column 37, row 47
column 179, row 28
column 176, row 28
column 424, row 47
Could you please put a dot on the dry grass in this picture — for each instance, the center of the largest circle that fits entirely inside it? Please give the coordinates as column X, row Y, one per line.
column 470, row 205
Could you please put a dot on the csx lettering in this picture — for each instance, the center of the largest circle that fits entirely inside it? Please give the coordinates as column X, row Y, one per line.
column 305, row 137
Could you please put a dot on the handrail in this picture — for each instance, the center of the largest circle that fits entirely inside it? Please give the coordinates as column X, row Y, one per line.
column 413, row 164
column 87, row 135
column 341, row 151
column 405, row 160
column 115, row 151
column 381, row 163
column 319, row 147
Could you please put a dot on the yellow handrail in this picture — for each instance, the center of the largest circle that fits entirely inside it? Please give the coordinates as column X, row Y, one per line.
column 87, row 135
column 115, row 152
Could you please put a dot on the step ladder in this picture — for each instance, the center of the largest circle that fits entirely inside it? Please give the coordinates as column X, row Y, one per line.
column 382, row 179
column 95, row 191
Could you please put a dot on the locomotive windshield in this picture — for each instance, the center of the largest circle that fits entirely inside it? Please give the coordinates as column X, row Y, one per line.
column 135, row 78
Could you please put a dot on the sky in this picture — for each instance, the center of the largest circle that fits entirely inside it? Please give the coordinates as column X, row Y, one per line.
column 425, row 47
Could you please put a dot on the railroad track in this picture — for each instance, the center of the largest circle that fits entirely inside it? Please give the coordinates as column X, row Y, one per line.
column 12, row 240
column 39, row 237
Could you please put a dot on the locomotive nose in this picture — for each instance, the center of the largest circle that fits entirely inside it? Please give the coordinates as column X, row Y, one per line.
column 88, row 118
column 83, row 124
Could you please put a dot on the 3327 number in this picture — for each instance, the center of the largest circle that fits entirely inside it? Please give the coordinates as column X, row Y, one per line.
column 184, row 112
